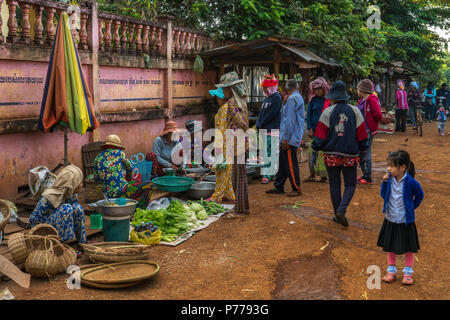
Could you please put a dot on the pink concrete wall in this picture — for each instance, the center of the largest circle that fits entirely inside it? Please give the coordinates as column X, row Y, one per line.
column 24, row 151
column 36, row 148
column 22, row 86
column 125, row 89
column 190, row 87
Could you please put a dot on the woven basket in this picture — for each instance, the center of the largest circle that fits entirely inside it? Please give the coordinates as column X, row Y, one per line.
column 67, row 258
column 4, row 209
column 42, row 261
column 44, row 229
column 116, row 251
column 94, row 191
column 18, row 247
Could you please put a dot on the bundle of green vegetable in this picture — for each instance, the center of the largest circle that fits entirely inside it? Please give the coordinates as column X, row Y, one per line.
column 210, row 207
column 173, row 221
column 200, row 212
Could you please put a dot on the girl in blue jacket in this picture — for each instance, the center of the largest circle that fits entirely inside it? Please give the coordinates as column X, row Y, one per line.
column 402, row 194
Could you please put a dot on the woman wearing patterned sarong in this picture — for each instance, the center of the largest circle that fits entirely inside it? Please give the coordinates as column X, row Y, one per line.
column 224, row 185
column 59, row 207
column 237, row 119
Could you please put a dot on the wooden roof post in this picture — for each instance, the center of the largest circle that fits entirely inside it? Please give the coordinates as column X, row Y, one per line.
column 168, row 88
column 251, row 85
column 276, row 64
column 291, row 71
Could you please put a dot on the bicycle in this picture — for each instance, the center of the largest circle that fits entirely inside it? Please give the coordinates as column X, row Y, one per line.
column 419, row 120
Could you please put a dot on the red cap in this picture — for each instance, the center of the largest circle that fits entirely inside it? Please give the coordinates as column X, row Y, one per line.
column 269, row 81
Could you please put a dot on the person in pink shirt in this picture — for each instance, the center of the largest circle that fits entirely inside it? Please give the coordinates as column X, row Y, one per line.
column 401, row 109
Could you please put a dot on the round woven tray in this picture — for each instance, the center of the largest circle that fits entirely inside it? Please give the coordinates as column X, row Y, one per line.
column 121, row 272
column 4, row 209
column 116, row 251
column 102, row 285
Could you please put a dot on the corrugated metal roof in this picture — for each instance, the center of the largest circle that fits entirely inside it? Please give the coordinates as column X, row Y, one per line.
column 308, row 56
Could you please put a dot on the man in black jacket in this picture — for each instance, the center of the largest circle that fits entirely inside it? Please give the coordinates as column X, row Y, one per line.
column 341, row 134
column 269, row 118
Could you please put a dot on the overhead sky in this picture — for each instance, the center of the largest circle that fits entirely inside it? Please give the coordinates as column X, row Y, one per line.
column 444, row 34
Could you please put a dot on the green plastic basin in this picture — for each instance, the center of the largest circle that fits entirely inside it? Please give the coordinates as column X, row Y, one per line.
column 173, row 183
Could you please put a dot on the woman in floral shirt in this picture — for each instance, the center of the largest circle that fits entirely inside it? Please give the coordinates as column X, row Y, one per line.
column 113, row 169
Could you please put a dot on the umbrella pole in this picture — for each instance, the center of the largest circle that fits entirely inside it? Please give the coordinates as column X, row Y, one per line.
column 66, row 160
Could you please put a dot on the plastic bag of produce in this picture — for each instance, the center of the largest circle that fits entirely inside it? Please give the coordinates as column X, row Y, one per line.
column 146, row 237
column 159, row 204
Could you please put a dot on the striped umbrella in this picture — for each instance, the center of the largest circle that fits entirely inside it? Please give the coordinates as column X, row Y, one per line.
column 67, row 101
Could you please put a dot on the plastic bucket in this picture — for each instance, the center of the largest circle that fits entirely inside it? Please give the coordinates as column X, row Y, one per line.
column 96, row 221
column 116, row 228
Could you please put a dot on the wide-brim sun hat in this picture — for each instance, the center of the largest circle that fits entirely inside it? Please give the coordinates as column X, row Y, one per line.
column 193, row 126
column 338, row 92
column 171, row 126
column 229, row 79
column 114, row 141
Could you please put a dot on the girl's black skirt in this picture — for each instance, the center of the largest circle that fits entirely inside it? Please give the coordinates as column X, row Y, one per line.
column 398, row 237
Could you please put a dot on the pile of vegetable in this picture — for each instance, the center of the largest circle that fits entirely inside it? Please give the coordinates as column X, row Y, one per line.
column 210, row 207
column 173, row 221
column 177, row 218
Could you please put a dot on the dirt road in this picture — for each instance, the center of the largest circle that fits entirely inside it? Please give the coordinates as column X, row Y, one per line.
column 267, row 257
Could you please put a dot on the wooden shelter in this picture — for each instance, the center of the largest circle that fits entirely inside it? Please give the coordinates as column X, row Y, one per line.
column 284, row 57
column 389, row 73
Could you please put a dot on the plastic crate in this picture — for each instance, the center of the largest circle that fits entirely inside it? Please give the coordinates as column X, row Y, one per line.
column 144, row 167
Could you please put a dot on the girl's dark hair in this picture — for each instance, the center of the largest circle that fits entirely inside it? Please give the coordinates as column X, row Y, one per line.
column 401, row 157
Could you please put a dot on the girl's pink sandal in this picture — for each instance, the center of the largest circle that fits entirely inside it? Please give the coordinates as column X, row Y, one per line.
column 265, row 181
column 407, row 279
column 389, row 277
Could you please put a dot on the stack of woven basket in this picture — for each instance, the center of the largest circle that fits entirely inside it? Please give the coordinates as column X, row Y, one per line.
column 41, row 251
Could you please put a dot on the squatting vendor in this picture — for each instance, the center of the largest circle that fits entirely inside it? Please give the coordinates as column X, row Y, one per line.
column 163, row 149
column 113, row 170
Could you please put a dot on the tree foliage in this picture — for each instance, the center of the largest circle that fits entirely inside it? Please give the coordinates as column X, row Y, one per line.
column 337, row 28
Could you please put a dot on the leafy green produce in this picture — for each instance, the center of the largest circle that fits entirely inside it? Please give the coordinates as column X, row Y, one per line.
column 173, row 221
column 211, row 207
column 195, row 206
column 202, row 215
